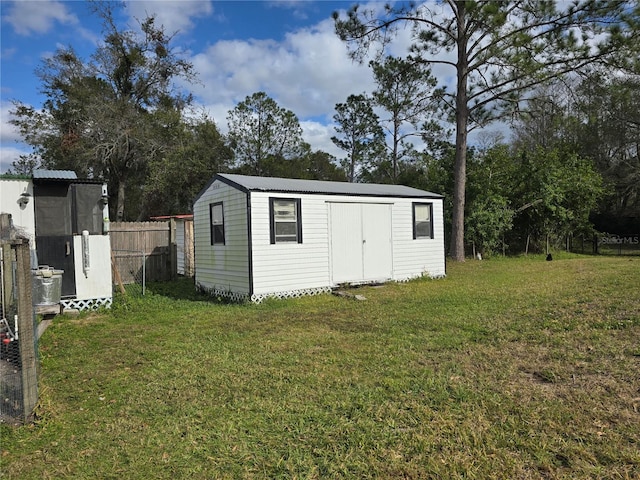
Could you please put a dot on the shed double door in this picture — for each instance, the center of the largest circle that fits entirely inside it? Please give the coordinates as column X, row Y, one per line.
column 361, row 245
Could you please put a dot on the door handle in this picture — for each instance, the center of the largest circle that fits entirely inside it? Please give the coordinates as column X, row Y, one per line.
column 67, row 249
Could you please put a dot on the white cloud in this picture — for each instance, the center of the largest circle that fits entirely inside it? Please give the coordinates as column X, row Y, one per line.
column 7, row 53
column 9, row 136
column 318, row 135
column 320, row 72
column 8, row 132
column 216, row 112
column 308, row 73
column 8, row 155
column 299, row 9
column 38, row 17
column 173, row 16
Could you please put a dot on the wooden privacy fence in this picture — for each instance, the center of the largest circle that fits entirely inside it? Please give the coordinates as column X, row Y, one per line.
column 143, row 251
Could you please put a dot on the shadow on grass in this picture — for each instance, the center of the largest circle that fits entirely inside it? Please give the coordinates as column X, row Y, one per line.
column 183, row 289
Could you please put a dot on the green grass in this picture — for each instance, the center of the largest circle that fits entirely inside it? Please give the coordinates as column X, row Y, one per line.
column 507, row 368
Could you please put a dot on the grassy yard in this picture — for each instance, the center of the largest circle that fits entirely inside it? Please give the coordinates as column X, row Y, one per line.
column 506, row 369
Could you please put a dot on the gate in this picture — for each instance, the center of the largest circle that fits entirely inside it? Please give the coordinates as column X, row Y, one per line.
column 142, row 251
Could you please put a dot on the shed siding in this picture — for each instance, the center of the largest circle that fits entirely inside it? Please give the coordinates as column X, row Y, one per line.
column 222, row 267
column 411, row 257
column 23, row 216
column 93, row 283
column 290, row 266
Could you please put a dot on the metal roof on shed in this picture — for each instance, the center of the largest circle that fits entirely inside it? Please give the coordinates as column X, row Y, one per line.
column 41, row 174
column 291, row 185
column 42, row 177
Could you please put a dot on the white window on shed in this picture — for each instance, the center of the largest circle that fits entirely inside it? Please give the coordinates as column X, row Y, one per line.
column 216, row 214
column 422, row 220
column 285, row 219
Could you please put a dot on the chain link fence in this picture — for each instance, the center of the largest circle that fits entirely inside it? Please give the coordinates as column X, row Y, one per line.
column 129, row 271
column 11, row 405
column 18, row 338
column 607, row 244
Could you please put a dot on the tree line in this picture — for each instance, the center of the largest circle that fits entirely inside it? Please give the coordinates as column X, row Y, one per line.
column 571, row 98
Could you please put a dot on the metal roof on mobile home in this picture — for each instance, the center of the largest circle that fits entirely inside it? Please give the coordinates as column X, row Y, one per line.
column 291, row 185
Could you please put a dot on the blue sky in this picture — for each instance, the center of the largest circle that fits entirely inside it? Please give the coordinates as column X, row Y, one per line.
column 285, row 48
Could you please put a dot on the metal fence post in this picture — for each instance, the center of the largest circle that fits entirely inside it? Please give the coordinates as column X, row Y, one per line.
column 173, row 250
column 144, row 271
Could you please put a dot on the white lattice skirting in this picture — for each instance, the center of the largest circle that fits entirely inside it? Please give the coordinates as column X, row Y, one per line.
column 259, row 298
column 424, row 274
column 222, row 293
column 290, row 294
column 86, row 304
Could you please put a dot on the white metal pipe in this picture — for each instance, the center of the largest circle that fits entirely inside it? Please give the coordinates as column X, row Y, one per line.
column 86, row 263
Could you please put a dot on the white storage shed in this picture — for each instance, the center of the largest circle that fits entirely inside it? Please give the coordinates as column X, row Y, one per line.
column 259, row 237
